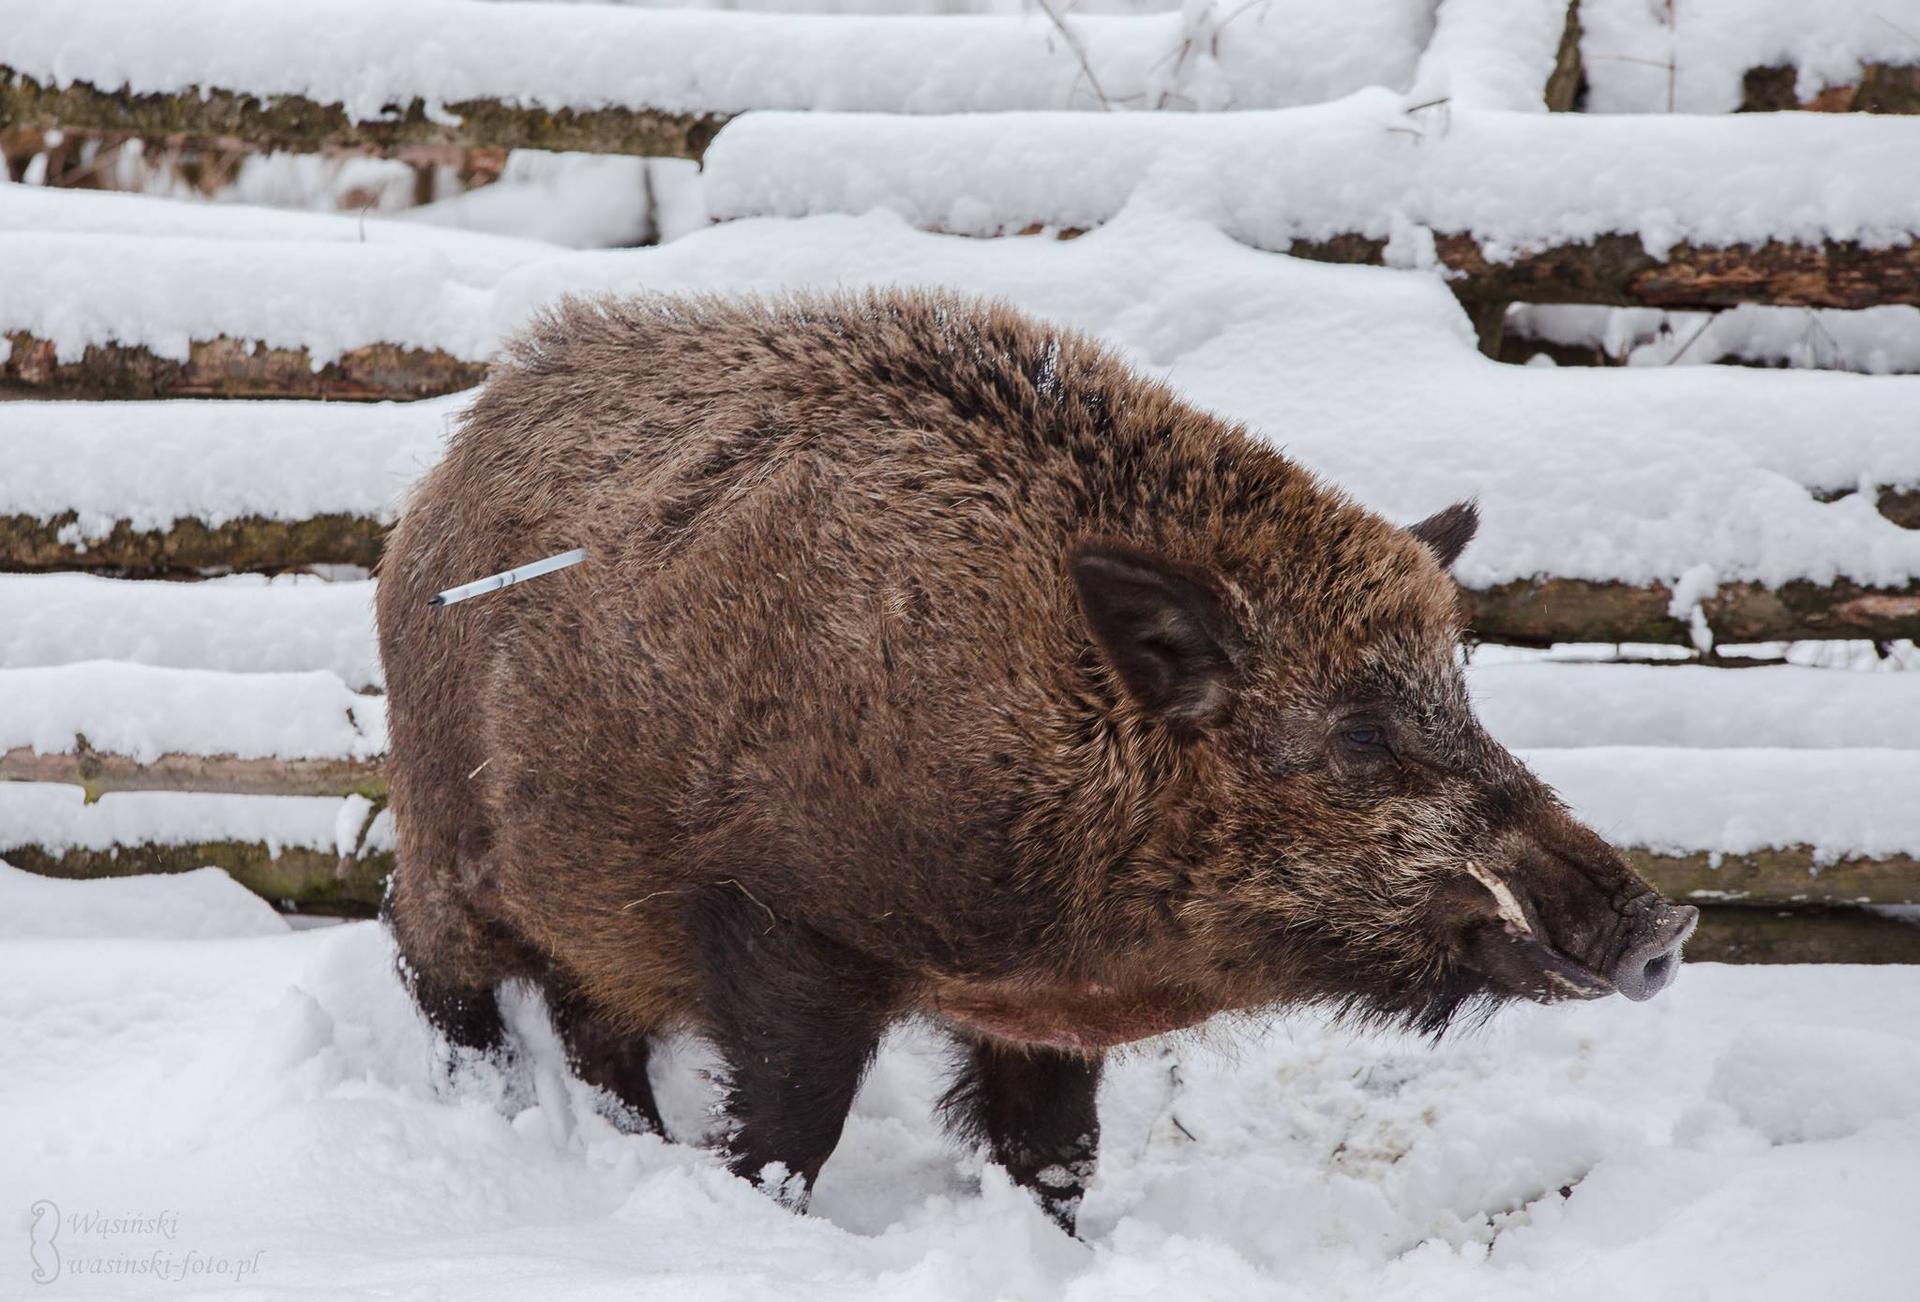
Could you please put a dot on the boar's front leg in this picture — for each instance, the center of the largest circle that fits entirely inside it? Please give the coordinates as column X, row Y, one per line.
column 1035, row 1110
column 797, row 1018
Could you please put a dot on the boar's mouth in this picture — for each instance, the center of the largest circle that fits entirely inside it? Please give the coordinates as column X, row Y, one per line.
column 1635, row 953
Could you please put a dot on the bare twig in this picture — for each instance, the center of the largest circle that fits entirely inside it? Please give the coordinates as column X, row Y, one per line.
column 1079, row 51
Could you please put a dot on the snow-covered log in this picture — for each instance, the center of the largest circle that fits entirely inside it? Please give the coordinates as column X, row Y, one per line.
column 239, row 624
column 1509, row 206
column 316, row 854
column 112, row 726
column 1699, row 56
column 607, row 78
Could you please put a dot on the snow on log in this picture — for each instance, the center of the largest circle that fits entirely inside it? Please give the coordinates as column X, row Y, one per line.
column 1530, row 703
column 607, row 78
column 110, row 726
column 1510, row 206
column 316, row 854
column 1501, row 54
column 157, row 488
column 1699, row 57
column 240, row 624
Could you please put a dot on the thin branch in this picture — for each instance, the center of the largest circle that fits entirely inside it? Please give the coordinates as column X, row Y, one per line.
column 1079, row 51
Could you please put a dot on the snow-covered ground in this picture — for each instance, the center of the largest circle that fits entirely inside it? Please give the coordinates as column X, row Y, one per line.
column 235, row 1098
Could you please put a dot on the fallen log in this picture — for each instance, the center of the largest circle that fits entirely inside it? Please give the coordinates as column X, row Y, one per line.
column 1543, row 611
column 1792, row 876
column 228, row 118
column 1731, row 934
column 1617, row 271
column 293, row 879
column 223, row 367
column 98, row 773
column 1882, row 88
column 190, row 548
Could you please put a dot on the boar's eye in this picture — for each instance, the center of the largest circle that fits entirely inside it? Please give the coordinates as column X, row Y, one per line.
column 1366, row 741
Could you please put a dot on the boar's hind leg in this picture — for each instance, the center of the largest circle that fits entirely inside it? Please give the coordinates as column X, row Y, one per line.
column 1034, row 1109
column 451, row 958
column 797, row 1018
column 603, row 1057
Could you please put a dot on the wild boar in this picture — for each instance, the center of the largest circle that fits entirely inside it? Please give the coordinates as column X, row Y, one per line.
column 927, row 661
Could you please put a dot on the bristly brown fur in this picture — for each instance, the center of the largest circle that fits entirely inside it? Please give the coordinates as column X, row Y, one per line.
column 824, row 688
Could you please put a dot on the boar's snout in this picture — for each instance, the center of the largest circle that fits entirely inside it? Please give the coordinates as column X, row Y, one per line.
column 1562, row 915
column 1651, row 957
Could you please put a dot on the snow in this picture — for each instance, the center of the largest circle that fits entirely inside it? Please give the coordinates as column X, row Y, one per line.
column 1672, row 800
column 27, row 210
column 1493, row 54
column 1630, row 48
column 204, row 904
column 368, row 55
column 165, row 292
column 1517, row 181
column 1881, row 340
column 582, row 201
column 1788, row 707
column 56, row 817
column 151, row 463
column 145, row 712
column 242, row 623
column 1750, row 1135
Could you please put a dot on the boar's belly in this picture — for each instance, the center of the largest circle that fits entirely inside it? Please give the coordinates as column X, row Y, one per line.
column 1083, row 1018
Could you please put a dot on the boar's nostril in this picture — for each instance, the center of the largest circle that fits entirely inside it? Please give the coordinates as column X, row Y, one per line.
column 1652, row 957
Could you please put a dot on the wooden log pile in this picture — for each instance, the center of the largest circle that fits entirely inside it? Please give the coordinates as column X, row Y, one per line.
column 1788, row 904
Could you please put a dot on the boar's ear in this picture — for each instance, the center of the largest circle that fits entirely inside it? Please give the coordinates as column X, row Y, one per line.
column 1447, row 533
column 1162, row 627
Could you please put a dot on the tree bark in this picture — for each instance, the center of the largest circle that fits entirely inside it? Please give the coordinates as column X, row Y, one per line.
column 1882, row 88
column 1617, row 271
column 296, row 880
column 189, row 548
column 1729, row 934
column 100, row 772
column 223, row 367
column 293, row 122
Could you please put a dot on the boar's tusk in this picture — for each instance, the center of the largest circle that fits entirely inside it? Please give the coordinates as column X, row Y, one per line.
column 1509, row 907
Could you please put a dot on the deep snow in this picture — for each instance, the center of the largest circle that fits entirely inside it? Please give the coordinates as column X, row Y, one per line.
column 271, row 1098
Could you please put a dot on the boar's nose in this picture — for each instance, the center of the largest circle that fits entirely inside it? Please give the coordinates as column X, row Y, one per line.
column 1651, row 957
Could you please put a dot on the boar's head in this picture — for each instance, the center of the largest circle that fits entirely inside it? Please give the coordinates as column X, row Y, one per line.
column 1358, row 837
